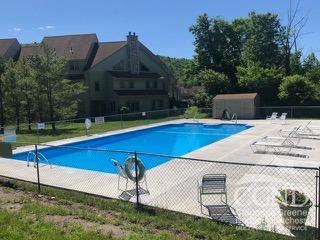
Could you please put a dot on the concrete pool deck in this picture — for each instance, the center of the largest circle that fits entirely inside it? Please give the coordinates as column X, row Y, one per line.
column 173, row 185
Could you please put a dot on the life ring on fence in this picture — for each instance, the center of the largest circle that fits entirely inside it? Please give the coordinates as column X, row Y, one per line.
column 130, row 165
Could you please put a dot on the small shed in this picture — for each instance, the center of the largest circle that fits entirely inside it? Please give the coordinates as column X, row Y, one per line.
column 244, row 105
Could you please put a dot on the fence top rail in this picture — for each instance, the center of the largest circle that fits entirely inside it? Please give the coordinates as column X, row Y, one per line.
column 108, row 116
column 45, row 146
column 270, row 107
column 230, row 163
column 177, row 157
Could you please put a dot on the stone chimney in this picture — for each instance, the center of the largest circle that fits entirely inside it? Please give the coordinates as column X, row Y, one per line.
column 133, row 53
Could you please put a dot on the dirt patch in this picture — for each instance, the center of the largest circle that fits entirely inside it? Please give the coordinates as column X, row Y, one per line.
column 8, row 195
column 12, row 200
column 105, row 229
column 12, row 207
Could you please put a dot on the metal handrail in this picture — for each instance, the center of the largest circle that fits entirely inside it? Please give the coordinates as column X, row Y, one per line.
column 234, row 116
column 40, row 155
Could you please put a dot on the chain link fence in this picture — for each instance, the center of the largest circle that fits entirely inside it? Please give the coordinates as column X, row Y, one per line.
column 176, row 183
column 76, row 127
column 293, row 111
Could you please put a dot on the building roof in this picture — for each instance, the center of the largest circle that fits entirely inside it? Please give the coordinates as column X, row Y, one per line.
column 106, row 49
column 72, row 47
column 140, row 92
column 29, row 50
column 5, row 44
column 236, row 96
column 118, row 74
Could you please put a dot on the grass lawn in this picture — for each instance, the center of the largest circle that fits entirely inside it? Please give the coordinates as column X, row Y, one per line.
column 61, row 214
column 69, row 130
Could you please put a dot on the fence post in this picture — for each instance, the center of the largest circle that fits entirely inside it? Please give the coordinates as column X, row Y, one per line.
column 318, row 203
column 137, row 180
column 291, row 112
column 37, row 160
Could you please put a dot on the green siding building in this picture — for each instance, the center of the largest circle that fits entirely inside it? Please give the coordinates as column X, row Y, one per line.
column 117, row 74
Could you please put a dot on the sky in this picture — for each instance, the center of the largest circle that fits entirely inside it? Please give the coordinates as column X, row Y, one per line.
column 162, row 25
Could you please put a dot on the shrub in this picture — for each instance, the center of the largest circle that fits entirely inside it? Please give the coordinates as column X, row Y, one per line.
column 192, row 112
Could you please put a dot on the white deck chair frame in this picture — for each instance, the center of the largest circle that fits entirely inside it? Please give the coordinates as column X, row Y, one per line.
column 304, row 132
column 273, row 116
column 284, row 147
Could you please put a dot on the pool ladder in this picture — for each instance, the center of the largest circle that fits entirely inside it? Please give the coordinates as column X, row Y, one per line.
column 234, row 118
column 40, row 156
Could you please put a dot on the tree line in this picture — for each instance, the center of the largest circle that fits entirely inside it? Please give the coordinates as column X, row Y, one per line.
column 34, row 89
column 252, row 54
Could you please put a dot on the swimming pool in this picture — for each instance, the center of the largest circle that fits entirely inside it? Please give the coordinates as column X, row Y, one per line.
column 170, row 139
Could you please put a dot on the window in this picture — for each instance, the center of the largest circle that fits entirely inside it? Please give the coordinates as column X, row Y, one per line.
column 153, row 105
column 119, row 66
column 103, row 108
column 122, row 84
column 131, row 84
column 147, row 84
column 112, row 106
column 160, row 103
column 133, row 106
column 155, row 84
column 74, row 67
column 97, row 86
column 143, row 68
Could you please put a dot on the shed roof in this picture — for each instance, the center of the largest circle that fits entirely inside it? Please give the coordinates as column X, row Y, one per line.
column 236, row 96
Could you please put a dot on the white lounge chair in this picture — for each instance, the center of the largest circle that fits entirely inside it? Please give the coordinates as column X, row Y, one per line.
column 307, row 132
column 273, row 116
column 283, row 117
column 279, row 145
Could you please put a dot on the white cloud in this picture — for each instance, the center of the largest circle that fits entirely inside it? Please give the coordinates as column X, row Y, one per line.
column 44, row 27
column 15, row 29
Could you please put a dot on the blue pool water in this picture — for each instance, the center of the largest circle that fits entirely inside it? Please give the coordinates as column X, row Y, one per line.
column 171, row 139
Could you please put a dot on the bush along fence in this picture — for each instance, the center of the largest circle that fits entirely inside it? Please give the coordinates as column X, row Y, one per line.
column 282, row 199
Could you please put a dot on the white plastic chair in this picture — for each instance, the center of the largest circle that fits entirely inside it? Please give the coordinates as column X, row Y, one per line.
column 273, row 116
column 121, row 173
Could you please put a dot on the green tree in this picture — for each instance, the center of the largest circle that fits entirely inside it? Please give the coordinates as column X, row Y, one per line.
column 297, row 90
column 295, row 63
column 265, row 81
column 2, row 119
column 201, row 99
column 62, row 95
column 12, row 92
column 218, row 45
column 213, row 82
column 178, row 67
column 311, row 68
column 263, row 40
column 28, row 85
